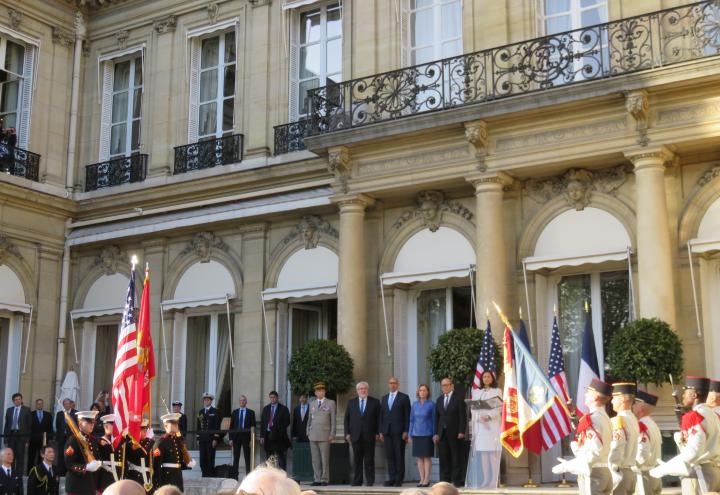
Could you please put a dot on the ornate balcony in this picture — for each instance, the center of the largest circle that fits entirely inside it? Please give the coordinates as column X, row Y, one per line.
column 603, row 51
column 291, row 136
column 19, row 162
column 209, row 153
column 123, row 170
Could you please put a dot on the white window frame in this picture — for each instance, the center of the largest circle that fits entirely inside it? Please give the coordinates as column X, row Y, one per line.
column 296, row 46
column 129, row 117
column 438, row 41
column 576, row 10
column 220, row 97
column 27, row 84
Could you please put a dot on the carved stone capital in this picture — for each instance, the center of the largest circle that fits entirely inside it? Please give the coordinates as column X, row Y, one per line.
column 646, row 158
column 430, row 209
column 340, row 164
column 80, row 25
column 490, row 181
column 636, row 104
column 577, row 186
column 203, row 244
column 476, row 133
column 122, row 37
column 109, row 258
column 165, row 24
column 310, row 230
column 353, row 202
column 16, row 17
column 709, row 175
column 259, row 3
column 8, row 249
column 213, row 9
column 62, row 37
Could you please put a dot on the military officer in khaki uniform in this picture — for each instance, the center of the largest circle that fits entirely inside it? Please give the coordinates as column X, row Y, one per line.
column 320, row 432
column 592, row 444
column 623, row 448
column 649, row 444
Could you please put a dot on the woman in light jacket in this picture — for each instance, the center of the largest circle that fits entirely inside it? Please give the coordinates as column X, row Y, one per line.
column 485, row 453
column 422, row 429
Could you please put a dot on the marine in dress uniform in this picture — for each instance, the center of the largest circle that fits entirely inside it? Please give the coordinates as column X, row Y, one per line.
column 625, row 433
column 208, row 426
column 170, row 455
column 81, row 464
column 43, row 478
column 138, row 458
column 320, row 432
column 649, row 444
column 112, row 459
column 698, row 442
column 592, row 444
column 713, row 398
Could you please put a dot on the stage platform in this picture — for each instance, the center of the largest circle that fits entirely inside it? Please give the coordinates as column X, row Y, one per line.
column 380, row 490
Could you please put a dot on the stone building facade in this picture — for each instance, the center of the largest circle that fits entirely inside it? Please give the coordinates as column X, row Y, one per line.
column 510, row 164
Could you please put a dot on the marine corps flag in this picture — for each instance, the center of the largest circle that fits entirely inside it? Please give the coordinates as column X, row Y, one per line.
column 533, row 415
column 146, row 354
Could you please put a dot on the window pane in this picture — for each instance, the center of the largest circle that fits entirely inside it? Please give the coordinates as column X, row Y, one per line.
column 310, row 61
column 228, row 110
column 135, row 135
column 462, row 309
column 431, row 323
column 304, row 101
column 615, row 297
column 121, row 78
column 572, row 293
column 208, row 85
column 451, row 48
column 558, row 24
column 230, row 47
column 556, row 6
column 208, row 118
column 209, row 52
column 334, row 23
column 229, row 81
column 310, row 27
column 590, row 3
column 138, row 71
column 334, row 56
column 451, row 20
column 591, row 17
column 117, row 139
column 416, row 4
column 137, row 103
column 335, row 77
column 10, row 93
column 423, row 55
column 119, row 107
column 9, row 119
column 422, row 28
column 14, row 58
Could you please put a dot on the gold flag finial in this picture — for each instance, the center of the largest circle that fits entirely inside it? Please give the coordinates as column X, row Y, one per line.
column 587, row 306
column 520, row 311
column 502, row 315
column 555, row 309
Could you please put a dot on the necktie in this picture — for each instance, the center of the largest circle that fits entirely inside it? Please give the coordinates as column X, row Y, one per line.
column 272, row 415
column 319, row 404
column 242, row 418
column 39, row 415
column 362, row 407
column 391, row 399
column 447, row 399
column 302, row 413
column 50, row 472
column 15, row 418
column 9, row 473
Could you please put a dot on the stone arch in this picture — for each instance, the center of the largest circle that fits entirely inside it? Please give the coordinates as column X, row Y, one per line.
column 183, row 262
column 696, row 206
column 91, row 278
column 23, row 273
column 281, row 254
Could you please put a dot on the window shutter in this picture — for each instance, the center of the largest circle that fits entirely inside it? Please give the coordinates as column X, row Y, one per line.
column 23, row 130
column 106, row 110
column 293, row 63
column 193, row 107
column 404, row 33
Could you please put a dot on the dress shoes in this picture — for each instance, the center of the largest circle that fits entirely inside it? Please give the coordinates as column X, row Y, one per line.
column 398, row 483
column 316, row 483
column 389, row 483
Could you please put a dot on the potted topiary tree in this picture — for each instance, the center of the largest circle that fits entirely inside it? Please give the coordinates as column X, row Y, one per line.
column 456, row 354
column 330, row 362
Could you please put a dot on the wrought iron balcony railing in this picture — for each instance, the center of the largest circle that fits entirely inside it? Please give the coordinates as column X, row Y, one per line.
column 209, row 153
column 607, row 50
column 116, row 171
column 290, row 137
column 19, row 162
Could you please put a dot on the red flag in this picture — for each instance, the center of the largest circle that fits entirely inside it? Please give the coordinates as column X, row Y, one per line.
column 146, row 354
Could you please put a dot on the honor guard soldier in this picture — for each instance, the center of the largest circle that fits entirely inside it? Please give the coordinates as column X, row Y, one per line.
column 208, row 431
column 81, row 451
column 170, row 455
column 43, row 478
column 177, row 408
column 649, row 444
column 623, row 447
column 713, row 398
column 111, row 459
column 592, row 444
column 138, row 459
column 698, row 442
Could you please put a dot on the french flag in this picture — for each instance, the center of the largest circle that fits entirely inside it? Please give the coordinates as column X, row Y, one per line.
column 589, row 368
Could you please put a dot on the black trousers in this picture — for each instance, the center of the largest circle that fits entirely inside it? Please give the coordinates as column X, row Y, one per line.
column 395, row 456
column 33, row 458
column 364, row 459
column 244, row 444
column 450, row 451
column 18, row 443
column 207, row 458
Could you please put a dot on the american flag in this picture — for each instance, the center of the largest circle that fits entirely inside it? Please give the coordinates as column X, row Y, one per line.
column 127, row 421
column 486, row 360
column 556, row 423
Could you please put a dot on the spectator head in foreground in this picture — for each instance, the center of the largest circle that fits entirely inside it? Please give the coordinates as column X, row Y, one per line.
column 443, row 488
column 168, row 490
column 268, row 481
column 124, row 487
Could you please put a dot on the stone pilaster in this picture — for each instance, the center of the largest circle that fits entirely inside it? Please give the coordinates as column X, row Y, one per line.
column 656, row 288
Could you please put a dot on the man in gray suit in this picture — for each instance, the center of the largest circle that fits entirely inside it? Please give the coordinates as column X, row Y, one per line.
column 320, row 432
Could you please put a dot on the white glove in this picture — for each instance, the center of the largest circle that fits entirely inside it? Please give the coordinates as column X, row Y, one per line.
column 616, row 475
column 677, row 436
column 673, row 467
column 577, row 466
column 93, row 466
column 574, row 447
column 191, row 464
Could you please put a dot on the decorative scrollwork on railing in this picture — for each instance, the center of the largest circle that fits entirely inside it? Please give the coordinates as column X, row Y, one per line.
column 19, row 162
column 122, row 170
column 209, row 153
column 290, row 137
column 595, row 52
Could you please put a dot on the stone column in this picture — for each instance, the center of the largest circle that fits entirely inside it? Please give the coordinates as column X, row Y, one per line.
column 490, row 248
column 656, row 289
column 352, row 283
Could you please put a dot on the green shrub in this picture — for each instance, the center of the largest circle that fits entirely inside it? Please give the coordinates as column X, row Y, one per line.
column 324, row 360
column 456, row 353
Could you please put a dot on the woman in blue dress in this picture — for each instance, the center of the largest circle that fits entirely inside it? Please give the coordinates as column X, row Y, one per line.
column 422, row 429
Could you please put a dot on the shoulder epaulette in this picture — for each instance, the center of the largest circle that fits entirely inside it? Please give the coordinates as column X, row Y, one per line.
column 618, row 422
column 691, row 419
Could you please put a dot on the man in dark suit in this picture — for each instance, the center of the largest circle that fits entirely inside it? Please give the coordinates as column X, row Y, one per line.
column 274, row 422
column 62, row 432
column 41, row 431
column 43, row 478
column 182, row 424
column 300, row 420
column 11, row 482
column 208, row 428
column 450, row 424
column 241, row 419
column 17, row 430
column 362, row 429
column 394, row 426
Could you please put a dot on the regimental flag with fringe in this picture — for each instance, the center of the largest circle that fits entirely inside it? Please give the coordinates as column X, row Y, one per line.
column 146, row 353
column 531, row 404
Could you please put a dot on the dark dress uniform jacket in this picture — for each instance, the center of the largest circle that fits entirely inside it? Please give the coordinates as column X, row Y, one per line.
column 12, row 485
column 105, row 454
column 169, row 460
column 41, row 483
column 134, row 454
column 209, row 421
column 77, row 479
